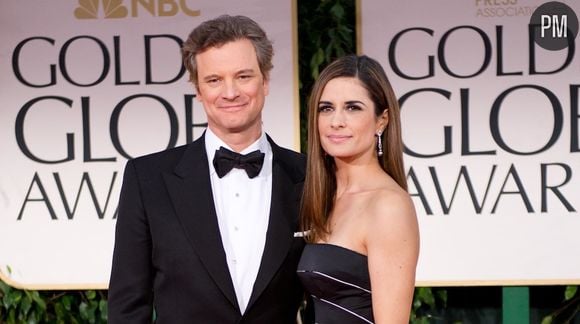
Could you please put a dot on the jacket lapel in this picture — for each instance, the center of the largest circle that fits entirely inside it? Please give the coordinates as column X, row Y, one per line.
column 190, row 191
column 281, row 224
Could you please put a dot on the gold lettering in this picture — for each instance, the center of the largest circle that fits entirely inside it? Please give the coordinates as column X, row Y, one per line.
column 167, row 8
column 149, row 5
column 186, row 10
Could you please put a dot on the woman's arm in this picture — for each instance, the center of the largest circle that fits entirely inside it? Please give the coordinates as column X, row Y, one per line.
column 392, row 243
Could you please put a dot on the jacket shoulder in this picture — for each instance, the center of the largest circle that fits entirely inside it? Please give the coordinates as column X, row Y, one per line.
column 163, row 160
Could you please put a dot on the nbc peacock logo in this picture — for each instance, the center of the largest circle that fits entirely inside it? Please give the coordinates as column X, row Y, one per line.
column 89, row 9
column 116, row 9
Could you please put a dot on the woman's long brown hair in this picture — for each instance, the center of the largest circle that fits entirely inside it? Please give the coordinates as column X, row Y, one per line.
column 320, row 183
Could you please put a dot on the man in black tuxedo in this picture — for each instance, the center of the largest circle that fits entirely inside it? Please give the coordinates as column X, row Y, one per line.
column 206, row 233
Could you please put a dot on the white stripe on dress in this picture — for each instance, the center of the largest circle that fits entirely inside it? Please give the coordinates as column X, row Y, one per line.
column 344, row 309
column 336, row 279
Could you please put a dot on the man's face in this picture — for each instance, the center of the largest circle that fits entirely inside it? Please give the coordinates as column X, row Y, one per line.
column 231, row 88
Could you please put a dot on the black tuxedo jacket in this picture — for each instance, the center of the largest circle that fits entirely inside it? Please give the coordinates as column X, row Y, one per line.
column 168, row 251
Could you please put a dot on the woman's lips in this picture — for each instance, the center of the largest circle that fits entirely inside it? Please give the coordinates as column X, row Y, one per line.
column 338, row 138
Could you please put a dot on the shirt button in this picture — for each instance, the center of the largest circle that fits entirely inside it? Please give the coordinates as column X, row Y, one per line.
column 237, row 194
column 235, row 228
column 234, row 261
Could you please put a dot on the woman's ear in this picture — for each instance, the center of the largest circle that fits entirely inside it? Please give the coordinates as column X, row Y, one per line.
column 383, row 121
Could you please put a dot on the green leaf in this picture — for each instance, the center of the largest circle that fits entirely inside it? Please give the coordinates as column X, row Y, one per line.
column 16, row 296
column 8, row 300
column 318, row 57
column 420, row 320
column 91, row 294
column 570, row 292
column 417, row 303
column 26, row 303
column 337, row 11
column 67, row 302
column 5, row 302
column 442, row 296
column 39, row 301
column 87, row 311
column 60, row 311
column 345, row 33
column 332, row 35
column 104, row 310
column 4, row 288
column 83, row 310
column 547, row 320
column 12, row 316
column 425, row 294
column 33, row 316
column 31, row 321
column 315, row 62
column 328, row 52
column 92, row 312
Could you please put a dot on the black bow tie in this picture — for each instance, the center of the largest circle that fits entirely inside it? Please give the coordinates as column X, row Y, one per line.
column 225, row 160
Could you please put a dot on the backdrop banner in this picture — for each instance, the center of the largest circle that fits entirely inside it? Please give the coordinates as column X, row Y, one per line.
column 490, row 127
column 86, row 85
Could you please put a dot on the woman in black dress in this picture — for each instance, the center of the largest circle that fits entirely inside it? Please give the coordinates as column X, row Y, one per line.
column 359, row 265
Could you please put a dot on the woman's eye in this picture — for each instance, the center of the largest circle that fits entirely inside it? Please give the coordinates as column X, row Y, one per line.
column 353, row 107
column 325, row 108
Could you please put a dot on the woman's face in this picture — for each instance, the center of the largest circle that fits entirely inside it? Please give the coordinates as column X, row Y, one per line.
column 346, row 120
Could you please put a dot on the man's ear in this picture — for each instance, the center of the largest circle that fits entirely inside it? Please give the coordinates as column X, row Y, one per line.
column 266, row 81
column 197, row 93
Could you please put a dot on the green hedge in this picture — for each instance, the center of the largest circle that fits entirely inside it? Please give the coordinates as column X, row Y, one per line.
column 62, row 307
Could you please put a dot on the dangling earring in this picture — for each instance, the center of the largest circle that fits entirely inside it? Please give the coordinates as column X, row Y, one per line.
column 379, row 144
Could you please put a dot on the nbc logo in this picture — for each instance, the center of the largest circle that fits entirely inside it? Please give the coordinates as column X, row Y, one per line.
column 89, row 9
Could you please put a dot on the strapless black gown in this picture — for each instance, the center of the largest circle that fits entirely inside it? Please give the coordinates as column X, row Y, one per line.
column 338, row 281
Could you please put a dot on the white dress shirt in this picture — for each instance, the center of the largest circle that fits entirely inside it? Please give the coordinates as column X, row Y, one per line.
column 243, row 209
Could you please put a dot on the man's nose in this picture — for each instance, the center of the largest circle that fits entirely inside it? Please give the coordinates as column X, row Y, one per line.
column 230, row 90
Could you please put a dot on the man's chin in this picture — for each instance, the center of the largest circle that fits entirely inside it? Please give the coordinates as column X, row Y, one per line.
column 240, row 128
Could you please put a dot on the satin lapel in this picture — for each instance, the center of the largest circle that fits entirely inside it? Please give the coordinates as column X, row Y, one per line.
column 190, row 191
column 280, row 226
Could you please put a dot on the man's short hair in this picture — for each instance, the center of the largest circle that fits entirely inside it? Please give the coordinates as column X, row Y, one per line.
column 222, row 30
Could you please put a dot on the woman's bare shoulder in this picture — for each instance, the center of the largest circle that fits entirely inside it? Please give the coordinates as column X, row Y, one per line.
column 391, row 212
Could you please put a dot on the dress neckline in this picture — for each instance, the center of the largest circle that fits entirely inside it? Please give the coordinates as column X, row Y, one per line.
column 340, row 247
